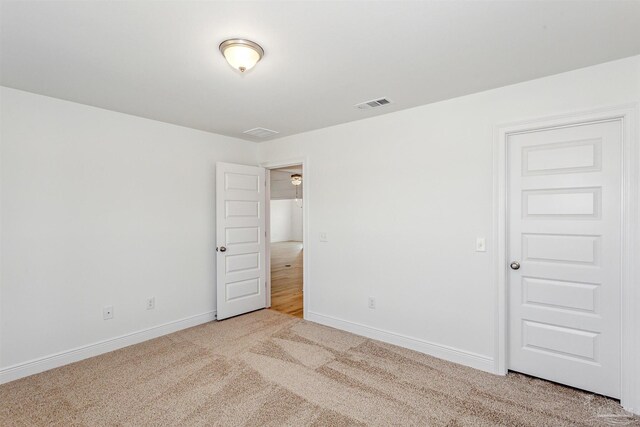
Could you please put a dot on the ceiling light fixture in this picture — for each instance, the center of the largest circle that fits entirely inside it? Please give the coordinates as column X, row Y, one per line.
column 241, row 54
column 296, row 180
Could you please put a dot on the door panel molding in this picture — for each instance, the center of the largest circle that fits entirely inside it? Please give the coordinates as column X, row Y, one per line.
column 629, row 116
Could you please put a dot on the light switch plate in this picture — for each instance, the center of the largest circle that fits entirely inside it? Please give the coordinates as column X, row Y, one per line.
column 481, row 244
column 323, row 237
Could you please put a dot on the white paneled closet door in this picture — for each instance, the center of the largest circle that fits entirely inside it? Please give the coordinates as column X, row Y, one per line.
column 564, row 280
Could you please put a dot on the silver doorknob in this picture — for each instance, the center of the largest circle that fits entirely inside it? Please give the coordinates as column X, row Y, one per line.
column 515, row 265
column 221, row 249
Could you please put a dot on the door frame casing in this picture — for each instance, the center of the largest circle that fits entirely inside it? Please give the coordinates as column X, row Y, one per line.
column 629, row 116
column 303, row 161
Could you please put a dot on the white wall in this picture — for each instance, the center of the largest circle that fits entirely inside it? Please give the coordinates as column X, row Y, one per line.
column 296, row 220
column 420, row 191
column 101, row 208
column 280, row 218
column 286, row 221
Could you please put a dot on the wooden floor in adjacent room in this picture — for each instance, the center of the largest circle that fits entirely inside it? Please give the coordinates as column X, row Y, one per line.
column 286, row 277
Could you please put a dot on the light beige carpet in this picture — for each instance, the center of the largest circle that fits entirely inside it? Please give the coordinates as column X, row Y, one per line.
column 267, row 368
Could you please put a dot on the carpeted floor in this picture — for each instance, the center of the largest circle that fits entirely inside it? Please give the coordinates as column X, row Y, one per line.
column 267, row 368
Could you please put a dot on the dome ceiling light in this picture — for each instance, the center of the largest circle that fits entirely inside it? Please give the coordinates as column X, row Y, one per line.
column 296, row 180
column 241, row 54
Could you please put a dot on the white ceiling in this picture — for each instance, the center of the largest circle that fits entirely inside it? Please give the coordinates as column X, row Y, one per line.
column 160, row 60
column 289, row 169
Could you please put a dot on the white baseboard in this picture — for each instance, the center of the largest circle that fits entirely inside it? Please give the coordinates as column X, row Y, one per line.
column 45, row 363
column 450, row 354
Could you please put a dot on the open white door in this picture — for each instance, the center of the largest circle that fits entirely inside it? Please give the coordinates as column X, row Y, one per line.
column 240, row 234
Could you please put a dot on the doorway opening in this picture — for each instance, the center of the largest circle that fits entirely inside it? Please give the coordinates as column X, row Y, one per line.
column 286, row 241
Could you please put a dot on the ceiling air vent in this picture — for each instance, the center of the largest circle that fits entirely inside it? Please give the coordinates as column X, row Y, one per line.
column 373, row 103
column 260, row 132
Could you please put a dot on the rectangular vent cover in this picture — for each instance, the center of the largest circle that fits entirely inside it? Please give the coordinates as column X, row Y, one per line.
column 260, row 132
column 373, row 103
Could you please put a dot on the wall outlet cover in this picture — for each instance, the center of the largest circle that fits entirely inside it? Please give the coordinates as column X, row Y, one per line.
column 107, row 312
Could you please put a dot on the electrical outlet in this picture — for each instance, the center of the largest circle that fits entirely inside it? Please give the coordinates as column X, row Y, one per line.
column 372, row 303
column 481, row 245
column 151, row 303
column 107, row 312
column 323, row 237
